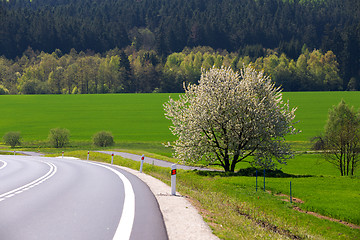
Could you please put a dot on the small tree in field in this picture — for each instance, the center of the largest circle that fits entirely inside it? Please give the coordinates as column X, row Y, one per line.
column 12, row 138
column 59, row 137
column 229, row 116
column 341, row 140
column 103, row 139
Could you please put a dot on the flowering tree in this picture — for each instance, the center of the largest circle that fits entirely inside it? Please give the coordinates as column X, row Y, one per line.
column 229, row 116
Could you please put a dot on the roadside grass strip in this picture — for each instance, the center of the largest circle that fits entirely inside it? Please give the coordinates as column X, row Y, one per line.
column 30, row 185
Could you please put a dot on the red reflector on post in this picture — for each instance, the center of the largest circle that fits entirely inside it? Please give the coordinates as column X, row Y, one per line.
column 173, row 179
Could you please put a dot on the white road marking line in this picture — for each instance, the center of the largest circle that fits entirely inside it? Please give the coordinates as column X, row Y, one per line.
column 4, row 164
column 32, row 184
column 126, row 222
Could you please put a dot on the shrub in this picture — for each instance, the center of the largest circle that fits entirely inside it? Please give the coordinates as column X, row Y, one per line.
column 103, row 139
column 12, row 138
column 3, row 90
column 59, row 137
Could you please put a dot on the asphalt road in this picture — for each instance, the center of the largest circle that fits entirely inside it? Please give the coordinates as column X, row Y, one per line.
column 52, row 198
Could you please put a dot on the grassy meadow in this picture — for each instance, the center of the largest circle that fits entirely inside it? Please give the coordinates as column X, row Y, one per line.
column 229, row 203
column 135, row 117
column 312, row 110
column 130, row 117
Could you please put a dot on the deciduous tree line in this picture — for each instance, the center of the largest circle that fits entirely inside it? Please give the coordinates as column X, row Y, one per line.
column 128, row 71
column 246, row 26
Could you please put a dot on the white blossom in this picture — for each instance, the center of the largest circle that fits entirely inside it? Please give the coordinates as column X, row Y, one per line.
column 229, row 116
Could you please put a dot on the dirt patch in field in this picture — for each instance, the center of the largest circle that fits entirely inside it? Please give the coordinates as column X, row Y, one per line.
column 296, row 208
column 287, row 199
column 327, row 218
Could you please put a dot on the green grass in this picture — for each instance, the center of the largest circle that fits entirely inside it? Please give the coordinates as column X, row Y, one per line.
column 313, row 109
column 9, row 153
column 325, row 192
column 137, row 118
column 130, row 117
column 305, row 164
column 310, row 164
column 335, row 197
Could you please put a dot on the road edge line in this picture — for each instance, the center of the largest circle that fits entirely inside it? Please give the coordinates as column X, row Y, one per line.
column 4, row 164
column 124, row 229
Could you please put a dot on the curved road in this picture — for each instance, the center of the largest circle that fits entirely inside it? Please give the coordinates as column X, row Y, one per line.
column 51, row 198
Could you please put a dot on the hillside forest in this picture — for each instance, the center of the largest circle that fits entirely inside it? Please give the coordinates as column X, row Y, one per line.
column 112, row 46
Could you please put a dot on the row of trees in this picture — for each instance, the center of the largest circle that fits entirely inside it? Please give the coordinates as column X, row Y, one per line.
column 128, row 70
column 246, row 27
column 311, row 71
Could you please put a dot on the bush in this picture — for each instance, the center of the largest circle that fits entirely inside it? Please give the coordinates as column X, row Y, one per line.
column 12, row 138
column 318, row 143
column 59, row 137
column 103, row 139
column 3, row 90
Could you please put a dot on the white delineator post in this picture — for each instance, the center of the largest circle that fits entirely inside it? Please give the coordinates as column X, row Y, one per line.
column 88, row 155
column 173, row 179
column 142, row 163
column 62, row 154
column 112, row 158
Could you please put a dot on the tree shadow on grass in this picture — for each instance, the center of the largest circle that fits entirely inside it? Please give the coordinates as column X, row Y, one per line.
column 251, row 172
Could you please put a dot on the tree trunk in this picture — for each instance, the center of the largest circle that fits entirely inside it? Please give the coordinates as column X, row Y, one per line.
column 227, row 167
column 341, row 165
column 226, row 163
column 226, row 160
column 234, row 162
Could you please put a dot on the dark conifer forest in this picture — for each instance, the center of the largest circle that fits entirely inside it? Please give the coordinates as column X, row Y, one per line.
column 305, row 45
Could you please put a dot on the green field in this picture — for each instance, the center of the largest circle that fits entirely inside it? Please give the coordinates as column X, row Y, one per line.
column 130, row 117
column 135, row 117
column 230, row 204
column 313, row 109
